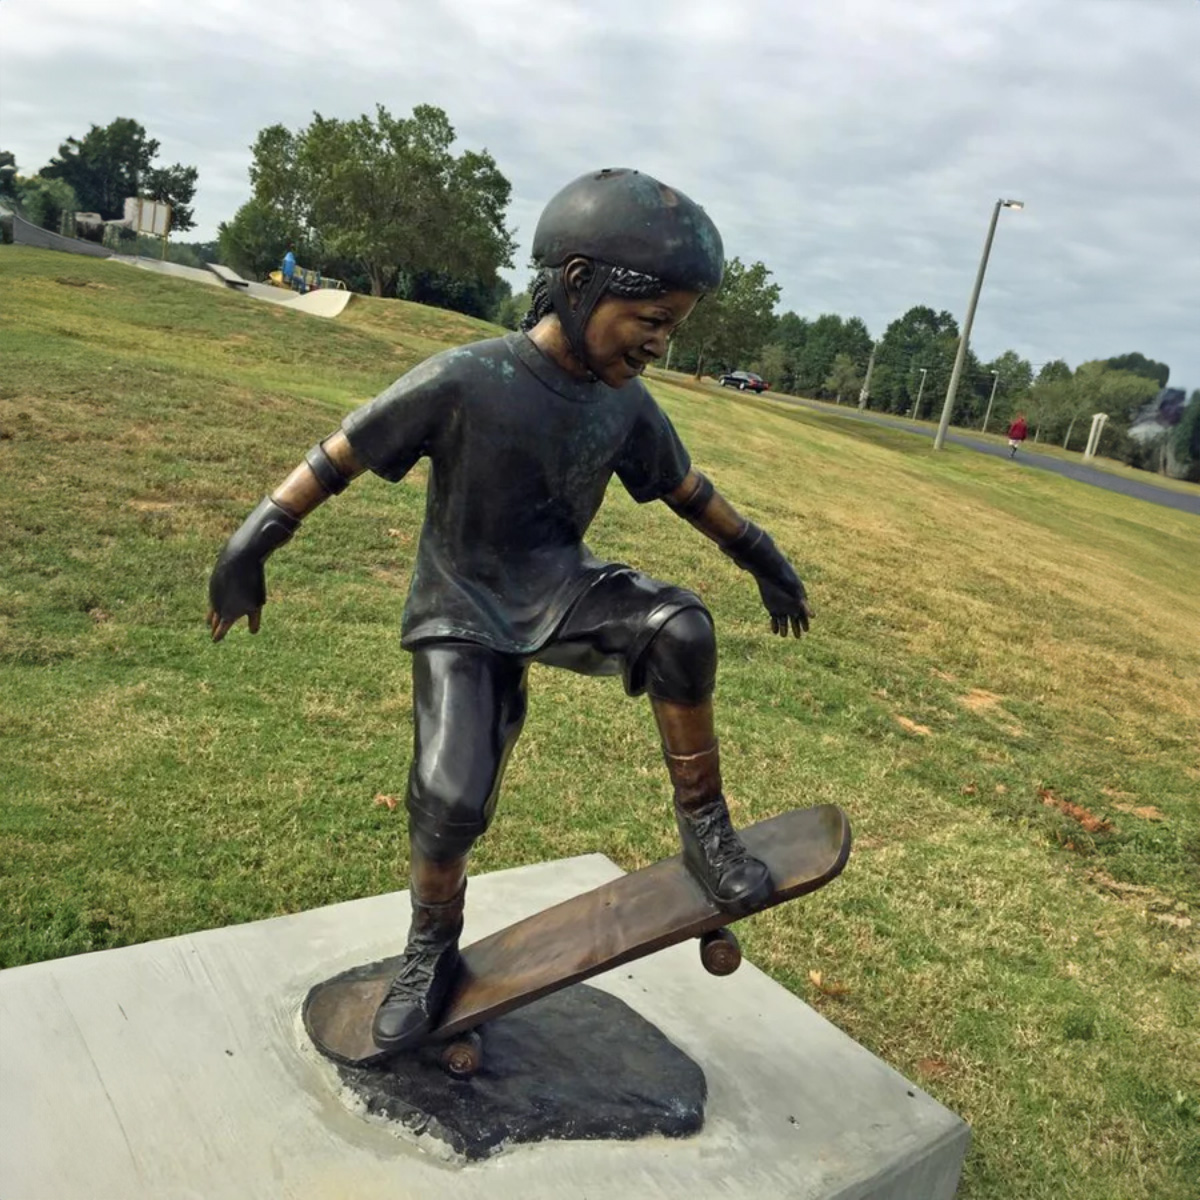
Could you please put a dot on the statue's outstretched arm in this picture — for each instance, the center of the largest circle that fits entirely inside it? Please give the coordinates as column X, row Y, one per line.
column 783, row 595
column 237, row 587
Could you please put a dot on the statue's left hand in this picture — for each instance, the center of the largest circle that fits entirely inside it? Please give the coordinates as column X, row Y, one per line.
column 783, row 596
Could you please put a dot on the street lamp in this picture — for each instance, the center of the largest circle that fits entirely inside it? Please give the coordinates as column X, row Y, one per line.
column 916, row 410
column 987, row 415
column 952, row 388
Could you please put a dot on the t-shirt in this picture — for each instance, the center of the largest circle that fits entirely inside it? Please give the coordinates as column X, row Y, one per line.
column 520, row 456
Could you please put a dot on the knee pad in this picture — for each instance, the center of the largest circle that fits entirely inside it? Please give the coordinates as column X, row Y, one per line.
column 443, row 827
column 681, row 660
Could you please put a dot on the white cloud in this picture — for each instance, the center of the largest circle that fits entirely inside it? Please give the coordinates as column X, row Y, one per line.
column 857, row 148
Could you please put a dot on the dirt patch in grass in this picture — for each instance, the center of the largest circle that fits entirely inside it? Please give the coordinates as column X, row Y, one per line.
column 1089, row 821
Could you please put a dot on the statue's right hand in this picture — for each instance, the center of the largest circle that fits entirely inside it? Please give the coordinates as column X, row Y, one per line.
column 238, row 585
column 237, row 588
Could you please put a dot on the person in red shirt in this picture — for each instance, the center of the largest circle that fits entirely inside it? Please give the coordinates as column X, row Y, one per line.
column 1018, row 431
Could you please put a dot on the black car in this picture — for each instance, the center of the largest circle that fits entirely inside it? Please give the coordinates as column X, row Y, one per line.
column 745, row 381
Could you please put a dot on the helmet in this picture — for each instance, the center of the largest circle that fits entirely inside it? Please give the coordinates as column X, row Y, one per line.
column 622, row 219
column 626, row 219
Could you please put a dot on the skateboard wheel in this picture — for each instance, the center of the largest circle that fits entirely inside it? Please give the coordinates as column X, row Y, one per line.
column 463, row 1057
column 720, row 952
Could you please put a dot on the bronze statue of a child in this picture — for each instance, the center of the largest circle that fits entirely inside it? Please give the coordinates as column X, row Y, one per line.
column 523, row 434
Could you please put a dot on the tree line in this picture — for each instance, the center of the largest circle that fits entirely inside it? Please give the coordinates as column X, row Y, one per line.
column 388, row 205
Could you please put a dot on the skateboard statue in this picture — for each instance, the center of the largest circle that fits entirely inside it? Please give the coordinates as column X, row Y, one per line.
column 523, row 434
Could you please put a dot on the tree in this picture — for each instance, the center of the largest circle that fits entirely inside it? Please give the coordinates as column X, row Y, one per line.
column 110, row 164
column 1049, row 395
column 256, row 240
column 387, row 195
column 791, row 332
column 43, row 201
column 476, row 297
column 1185, row 444
column 825, row 338
column 920, row 338
column 1014, row 377
column 733, row 323
column 843, row 377
column 8, row 174
column 1139, row 364
column 176, row 186
column 771, row 364
column 512, row 311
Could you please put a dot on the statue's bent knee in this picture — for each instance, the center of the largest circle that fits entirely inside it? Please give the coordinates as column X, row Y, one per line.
column 681, row 661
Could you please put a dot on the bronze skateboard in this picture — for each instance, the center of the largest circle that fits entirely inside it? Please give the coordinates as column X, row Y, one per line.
column 623, row 920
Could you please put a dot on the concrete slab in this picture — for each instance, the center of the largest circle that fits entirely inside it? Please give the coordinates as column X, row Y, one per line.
column 178, row 1069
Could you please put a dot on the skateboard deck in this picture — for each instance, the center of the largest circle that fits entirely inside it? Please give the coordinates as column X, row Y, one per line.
column 625, row 919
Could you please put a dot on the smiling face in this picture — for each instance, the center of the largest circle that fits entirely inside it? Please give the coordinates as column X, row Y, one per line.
column 623, row 336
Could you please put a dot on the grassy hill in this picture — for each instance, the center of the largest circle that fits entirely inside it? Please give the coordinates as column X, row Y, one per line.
column 1002, row 687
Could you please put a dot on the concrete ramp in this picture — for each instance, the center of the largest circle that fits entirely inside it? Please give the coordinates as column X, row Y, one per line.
column 161, row 267
column 227, row 275
column 324, row 302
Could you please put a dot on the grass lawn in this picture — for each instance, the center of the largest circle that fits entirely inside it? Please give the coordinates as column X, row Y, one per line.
column 1002, row 687
column 996, row 436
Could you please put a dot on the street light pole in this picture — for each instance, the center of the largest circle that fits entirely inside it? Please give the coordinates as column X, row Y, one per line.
column 916, row 410
column 960, row 357
column 987, row 415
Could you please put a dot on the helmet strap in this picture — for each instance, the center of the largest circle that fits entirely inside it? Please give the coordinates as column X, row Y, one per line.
column 574, row 319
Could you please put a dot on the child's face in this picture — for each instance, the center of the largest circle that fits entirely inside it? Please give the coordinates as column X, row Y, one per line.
column 622, row 336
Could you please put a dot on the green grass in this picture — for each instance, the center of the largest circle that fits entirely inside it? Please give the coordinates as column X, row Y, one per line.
column 992, row 647
column 996, row 436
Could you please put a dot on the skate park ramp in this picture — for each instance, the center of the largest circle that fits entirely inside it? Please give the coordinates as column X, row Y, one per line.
column 324, row 302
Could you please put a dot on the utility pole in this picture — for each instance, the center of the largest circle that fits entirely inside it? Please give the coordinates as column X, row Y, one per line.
column 865, row 391
column 960, row 357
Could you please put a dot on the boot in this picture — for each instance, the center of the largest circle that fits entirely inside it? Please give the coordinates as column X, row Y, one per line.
column 734, row 879
column 415, row 1000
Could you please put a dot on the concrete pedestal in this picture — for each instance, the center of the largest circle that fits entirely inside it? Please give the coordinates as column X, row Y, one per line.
column 178, row 1069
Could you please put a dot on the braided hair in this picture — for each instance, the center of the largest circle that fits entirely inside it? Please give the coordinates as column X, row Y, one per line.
column 626, row 283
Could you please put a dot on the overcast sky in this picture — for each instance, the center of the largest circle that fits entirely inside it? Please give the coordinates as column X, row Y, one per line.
column 855, row 148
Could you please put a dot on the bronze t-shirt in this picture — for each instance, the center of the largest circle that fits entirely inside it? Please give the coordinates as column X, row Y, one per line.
column 520, row 456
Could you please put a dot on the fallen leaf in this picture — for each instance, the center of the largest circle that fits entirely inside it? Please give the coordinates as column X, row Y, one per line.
column 833, row 990
column 913, row 727
column 933, row 1068
column 382, row 800
column 969, row 789
column 1001, row 789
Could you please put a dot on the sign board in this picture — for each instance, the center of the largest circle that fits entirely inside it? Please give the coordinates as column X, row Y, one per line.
column 148, row 216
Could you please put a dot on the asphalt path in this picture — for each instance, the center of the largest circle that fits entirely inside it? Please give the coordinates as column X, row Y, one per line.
column 1025, row 458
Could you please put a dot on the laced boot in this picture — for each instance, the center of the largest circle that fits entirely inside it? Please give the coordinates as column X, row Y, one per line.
column 734, row 879
column 416, row 997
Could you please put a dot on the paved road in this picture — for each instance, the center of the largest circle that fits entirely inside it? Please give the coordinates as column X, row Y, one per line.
column 1182, row 501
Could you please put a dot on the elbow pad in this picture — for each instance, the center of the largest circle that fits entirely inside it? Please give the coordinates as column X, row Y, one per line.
column 329, row 474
